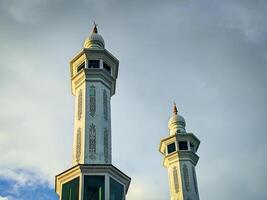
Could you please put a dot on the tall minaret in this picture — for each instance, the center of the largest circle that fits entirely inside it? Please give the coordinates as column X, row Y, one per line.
column 180, row 158
column 94, row 71
column 93, row 78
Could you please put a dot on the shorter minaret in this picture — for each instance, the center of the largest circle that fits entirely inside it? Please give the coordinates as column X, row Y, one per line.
column 180, row 158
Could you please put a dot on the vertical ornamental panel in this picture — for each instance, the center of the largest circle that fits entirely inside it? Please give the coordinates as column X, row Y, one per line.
column 195, row 179
column 186, row 178
column 105, row 104
column 92, row 141
column 92, row 101
column 175, row 179
column 106, row 145
column 80, row 104
column 78, row 145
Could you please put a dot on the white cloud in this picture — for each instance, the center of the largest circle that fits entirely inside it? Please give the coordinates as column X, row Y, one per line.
column 22, row 177
column 29, row 134
column 3, row 198
column 145, row 188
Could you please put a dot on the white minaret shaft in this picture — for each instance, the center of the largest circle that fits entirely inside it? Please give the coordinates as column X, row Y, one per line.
column 92, row 132
column 180, row 158
column 94, row 74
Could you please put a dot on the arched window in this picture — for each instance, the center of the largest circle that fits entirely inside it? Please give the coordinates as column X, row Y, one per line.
column 186, row 177
column 175, row 179
column 92, row 141
column 106, row 145
column 78, row 145
column 105, row 104
column 92, row 101
column 80, row 104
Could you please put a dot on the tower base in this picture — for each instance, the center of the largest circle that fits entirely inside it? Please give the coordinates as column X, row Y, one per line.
column 92, row 182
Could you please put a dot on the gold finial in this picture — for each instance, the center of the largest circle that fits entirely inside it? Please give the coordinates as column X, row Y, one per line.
column 95, row 28
column 175, row 111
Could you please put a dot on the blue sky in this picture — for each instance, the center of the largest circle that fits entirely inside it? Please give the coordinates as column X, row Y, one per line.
column 209, row 56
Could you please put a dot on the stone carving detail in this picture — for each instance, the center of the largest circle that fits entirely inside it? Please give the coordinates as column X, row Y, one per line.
column 92, row 101
column 80, row 104
column 92, row 142
column 106, row 146
column 175, row 179
column 186, row 178
column 78, row 145
column 105, row 104
column 195, row 179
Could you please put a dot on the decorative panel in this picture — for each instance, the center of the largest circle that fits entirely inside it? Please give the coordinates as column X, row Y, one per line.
column 92, row 141
column 80, row 104
column 92, row 101
column 105, row 104
column 78, row 145
column 175, row 179
column 186, row 177
column 195, row 179
column 106, row 145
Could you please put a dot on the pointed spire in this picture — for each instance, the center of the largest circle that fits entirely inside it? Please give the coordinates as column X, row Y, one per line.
column 95, row 28
column 175, row 111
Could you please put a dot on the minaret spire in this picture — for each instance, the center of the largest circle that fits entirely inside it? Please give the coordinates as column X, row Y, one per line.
column 175, row 111
column 95, row 28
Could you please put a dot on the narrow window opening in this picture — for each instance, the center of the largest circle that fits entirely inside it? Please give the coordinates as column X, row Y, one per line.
column 183, row 146
column 93, row 64
column 171, row 148
column 192, row 147
column 80, row 67
column 107, row 68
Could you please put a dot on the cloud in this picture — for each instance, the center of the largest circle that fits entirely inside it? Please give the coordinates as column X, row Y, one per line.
column 3, row 198
column 25, row 178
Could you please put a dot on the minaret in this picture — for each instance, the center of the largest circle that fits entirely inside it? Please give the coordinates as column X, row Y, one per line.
column 180, row 158
column 94, row 71
column 93, row 77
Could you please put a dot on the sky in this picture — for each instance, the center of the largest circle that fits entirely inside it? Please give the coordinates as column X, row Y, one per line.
column 208, row 56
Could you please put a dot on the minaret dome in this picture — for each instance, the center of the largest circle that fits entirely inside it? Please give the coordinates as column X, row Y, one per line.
column 95, row 40
column 176, row 122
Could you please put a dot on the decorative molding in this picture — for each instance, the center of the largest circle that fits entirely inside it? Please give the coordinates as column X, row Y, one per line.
column 175, row 179
column 186, row 177
column 195, row 179
column 106, row 145
column 92, row 142
column 92, row 101
column 80, row 104
column 78, row 145
column 105, row 104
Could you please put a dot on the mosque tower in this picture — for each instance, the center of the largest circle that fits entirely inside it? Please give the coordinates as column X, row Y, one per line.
column 180, row 158
column 94, row 71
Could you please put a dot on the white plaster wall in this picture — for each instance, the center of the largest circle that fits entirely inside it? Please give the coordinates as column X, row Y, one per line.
column 99, row 121
column 191, row 194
